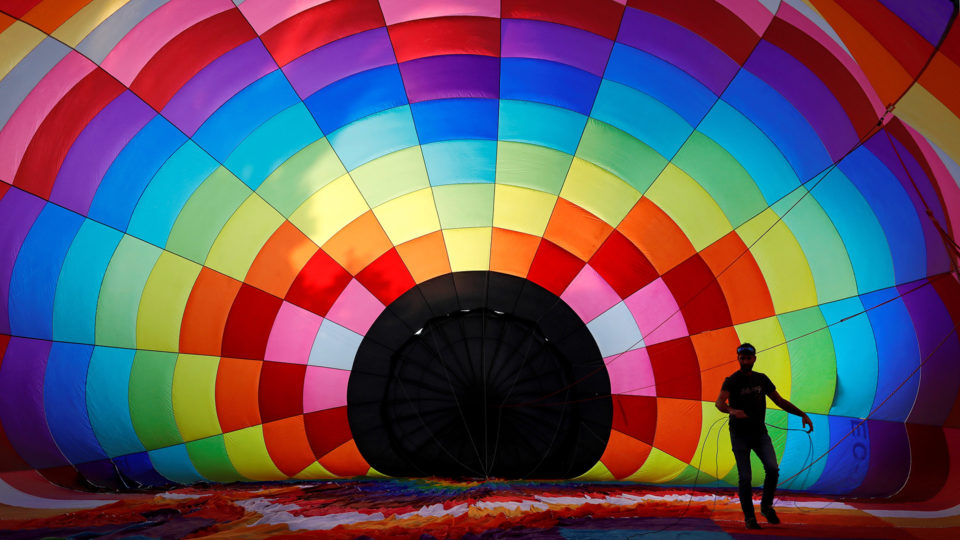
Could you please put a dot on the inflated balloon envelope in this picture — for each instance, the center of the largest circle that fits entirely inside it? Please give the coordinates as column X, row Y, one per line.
column 516, row 239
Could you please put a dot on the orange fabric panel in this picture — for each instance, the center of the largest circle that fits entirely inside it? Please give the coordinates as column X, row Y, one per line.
column 5, row 21
column 678, row 427
column 624, row 454
column 940, row 79
column 287, row 444
column 742, row 281
column 512, row 252
column 205, row 315
column 359, row 243
column 345, row 460
column 657, row 236
column 49, row 15
column 238, row 383
column 717, row 355
column 280, row 260
column 425, row 257
column 576, row 230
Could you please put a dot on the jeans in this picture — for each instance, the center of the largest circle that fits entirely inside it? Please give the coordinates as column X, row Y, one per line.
column 759, row 443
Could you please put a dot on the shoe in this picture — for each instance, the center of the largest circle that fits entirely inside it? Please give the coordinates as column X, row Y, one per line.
column 752, row 523
column 769, row 513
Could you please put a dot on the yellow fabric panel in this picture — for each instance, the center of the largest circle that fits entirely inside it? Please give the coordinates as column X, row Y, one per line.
column 315, row 471
column 782, row 262
column 329, row 210
column 925, row 113
column 301, row 176
column 597, row 473
column 15, row 43
column 714, row 454
column 248, row 454
column 602, row 193
column 162, row 304
column 469, row 248
column 522, row 209
column 410, row 216
column 84, row 21
column 775, row 362
column 689, row 206
column 391, row 176
column 659, row 468
column 243, row 236
column 194, row 396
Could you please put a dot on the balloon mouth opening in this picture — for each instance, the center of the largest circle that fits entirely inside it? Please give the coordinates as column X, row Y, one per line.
column 485, row 375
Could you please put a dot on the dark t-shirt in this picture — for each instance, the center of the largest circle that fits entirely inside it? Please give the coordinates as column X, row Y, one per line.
column 748, row 392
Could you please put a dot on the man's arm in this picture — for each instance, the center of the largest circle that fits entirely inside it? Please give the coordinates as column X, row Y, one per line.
column 723, row 407
column 790, row 408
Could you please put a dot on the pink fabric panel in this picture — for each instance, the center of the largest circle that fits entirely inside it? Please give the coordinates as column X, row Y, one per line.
column 356, row 308
column 397, row 11
column 589, row 294
column 656, row 313
column 631, row 374
column 754, row 14
column 265, row 14
column 292, row 335
column 19, row 130
column 949, row 189
column 324, row 388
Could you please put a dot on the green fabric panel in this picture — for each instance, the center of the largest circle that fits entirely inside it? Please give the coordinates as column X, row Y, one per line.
column 722, row 176
column 210, row 458
column 123, row 284
column 301, row 176
column 151, row 403
column 391, row 176
column 531, row 166
column 691, row 476
column 205, row 213
column 464, row 205
column 813, row 365
column 620, row 153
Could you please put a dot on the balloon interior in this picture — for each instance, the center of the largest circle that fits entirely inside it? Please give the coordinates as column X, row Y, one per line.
column 513, row 240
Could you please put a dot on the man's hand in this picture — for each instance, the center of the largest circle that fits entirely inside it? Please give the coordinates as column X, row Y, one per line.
column 807, row 423
column 737, row 413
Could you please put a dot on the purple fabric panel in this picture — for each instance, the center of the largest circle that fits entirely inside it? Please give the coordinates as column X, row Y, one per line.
column 556, row 42
column 217, row 83
column 679, row 46
column 19, row 210
column 340, row 59
column 940, row 374
column 929, row 19
column 21, row 403
column 889, row 460
column 451, row 76
column 96, row 148
column 807, row 93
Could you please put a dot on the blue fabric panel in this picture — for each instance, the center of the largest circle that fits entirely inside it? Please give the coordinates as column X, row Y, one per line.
column 335, row 346
column 169, row 190
column 801, row 449
column 548, row 82
column 856, row 357
column 615, row 331
column 448, row 119
column 33, row 284
column 460, row 162
column 545, row 125
column 898, row 354
column 862, row 235
column 101, row 473
column 64, row 389
column 357, row 96
column 132, row 170
column 238, row 117
column 174, row 463
column 374, row 136
column 108, row 405
column 642, row 116
column 847, row 464
column 138, row 468
column 782, row 123
column 78, row 289
column 271, row 144
column 660, row 80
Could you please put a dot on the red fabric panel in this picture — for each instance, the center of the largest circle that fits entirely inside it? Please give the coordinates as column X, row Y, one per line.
column 598, row 16
column 675, row 369
column 387, row 277
column 189, row 52
column 949, row 290
column 318, row 284
column 320, row 25
column 896, row 36
column 635, row 416
column 446, row 35
column 709, row 20
column 699, row 296
column 553, row 267
column 828, row 69
column 18, row 8
column 249, row 323
column 281, row 390
column 327, row 429
column 4, row 188
column 622, row 265
column 951, row 44
column 65, row 476
column 929, row 463
column 46, row 152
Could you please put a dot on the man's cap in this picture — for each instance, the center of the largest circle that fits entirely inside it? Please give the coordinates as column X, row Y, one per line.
column 746, row 349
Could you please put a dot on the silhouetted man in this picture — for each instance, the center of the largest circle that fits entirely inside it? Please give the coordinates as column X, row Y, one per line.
column 743, row 397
